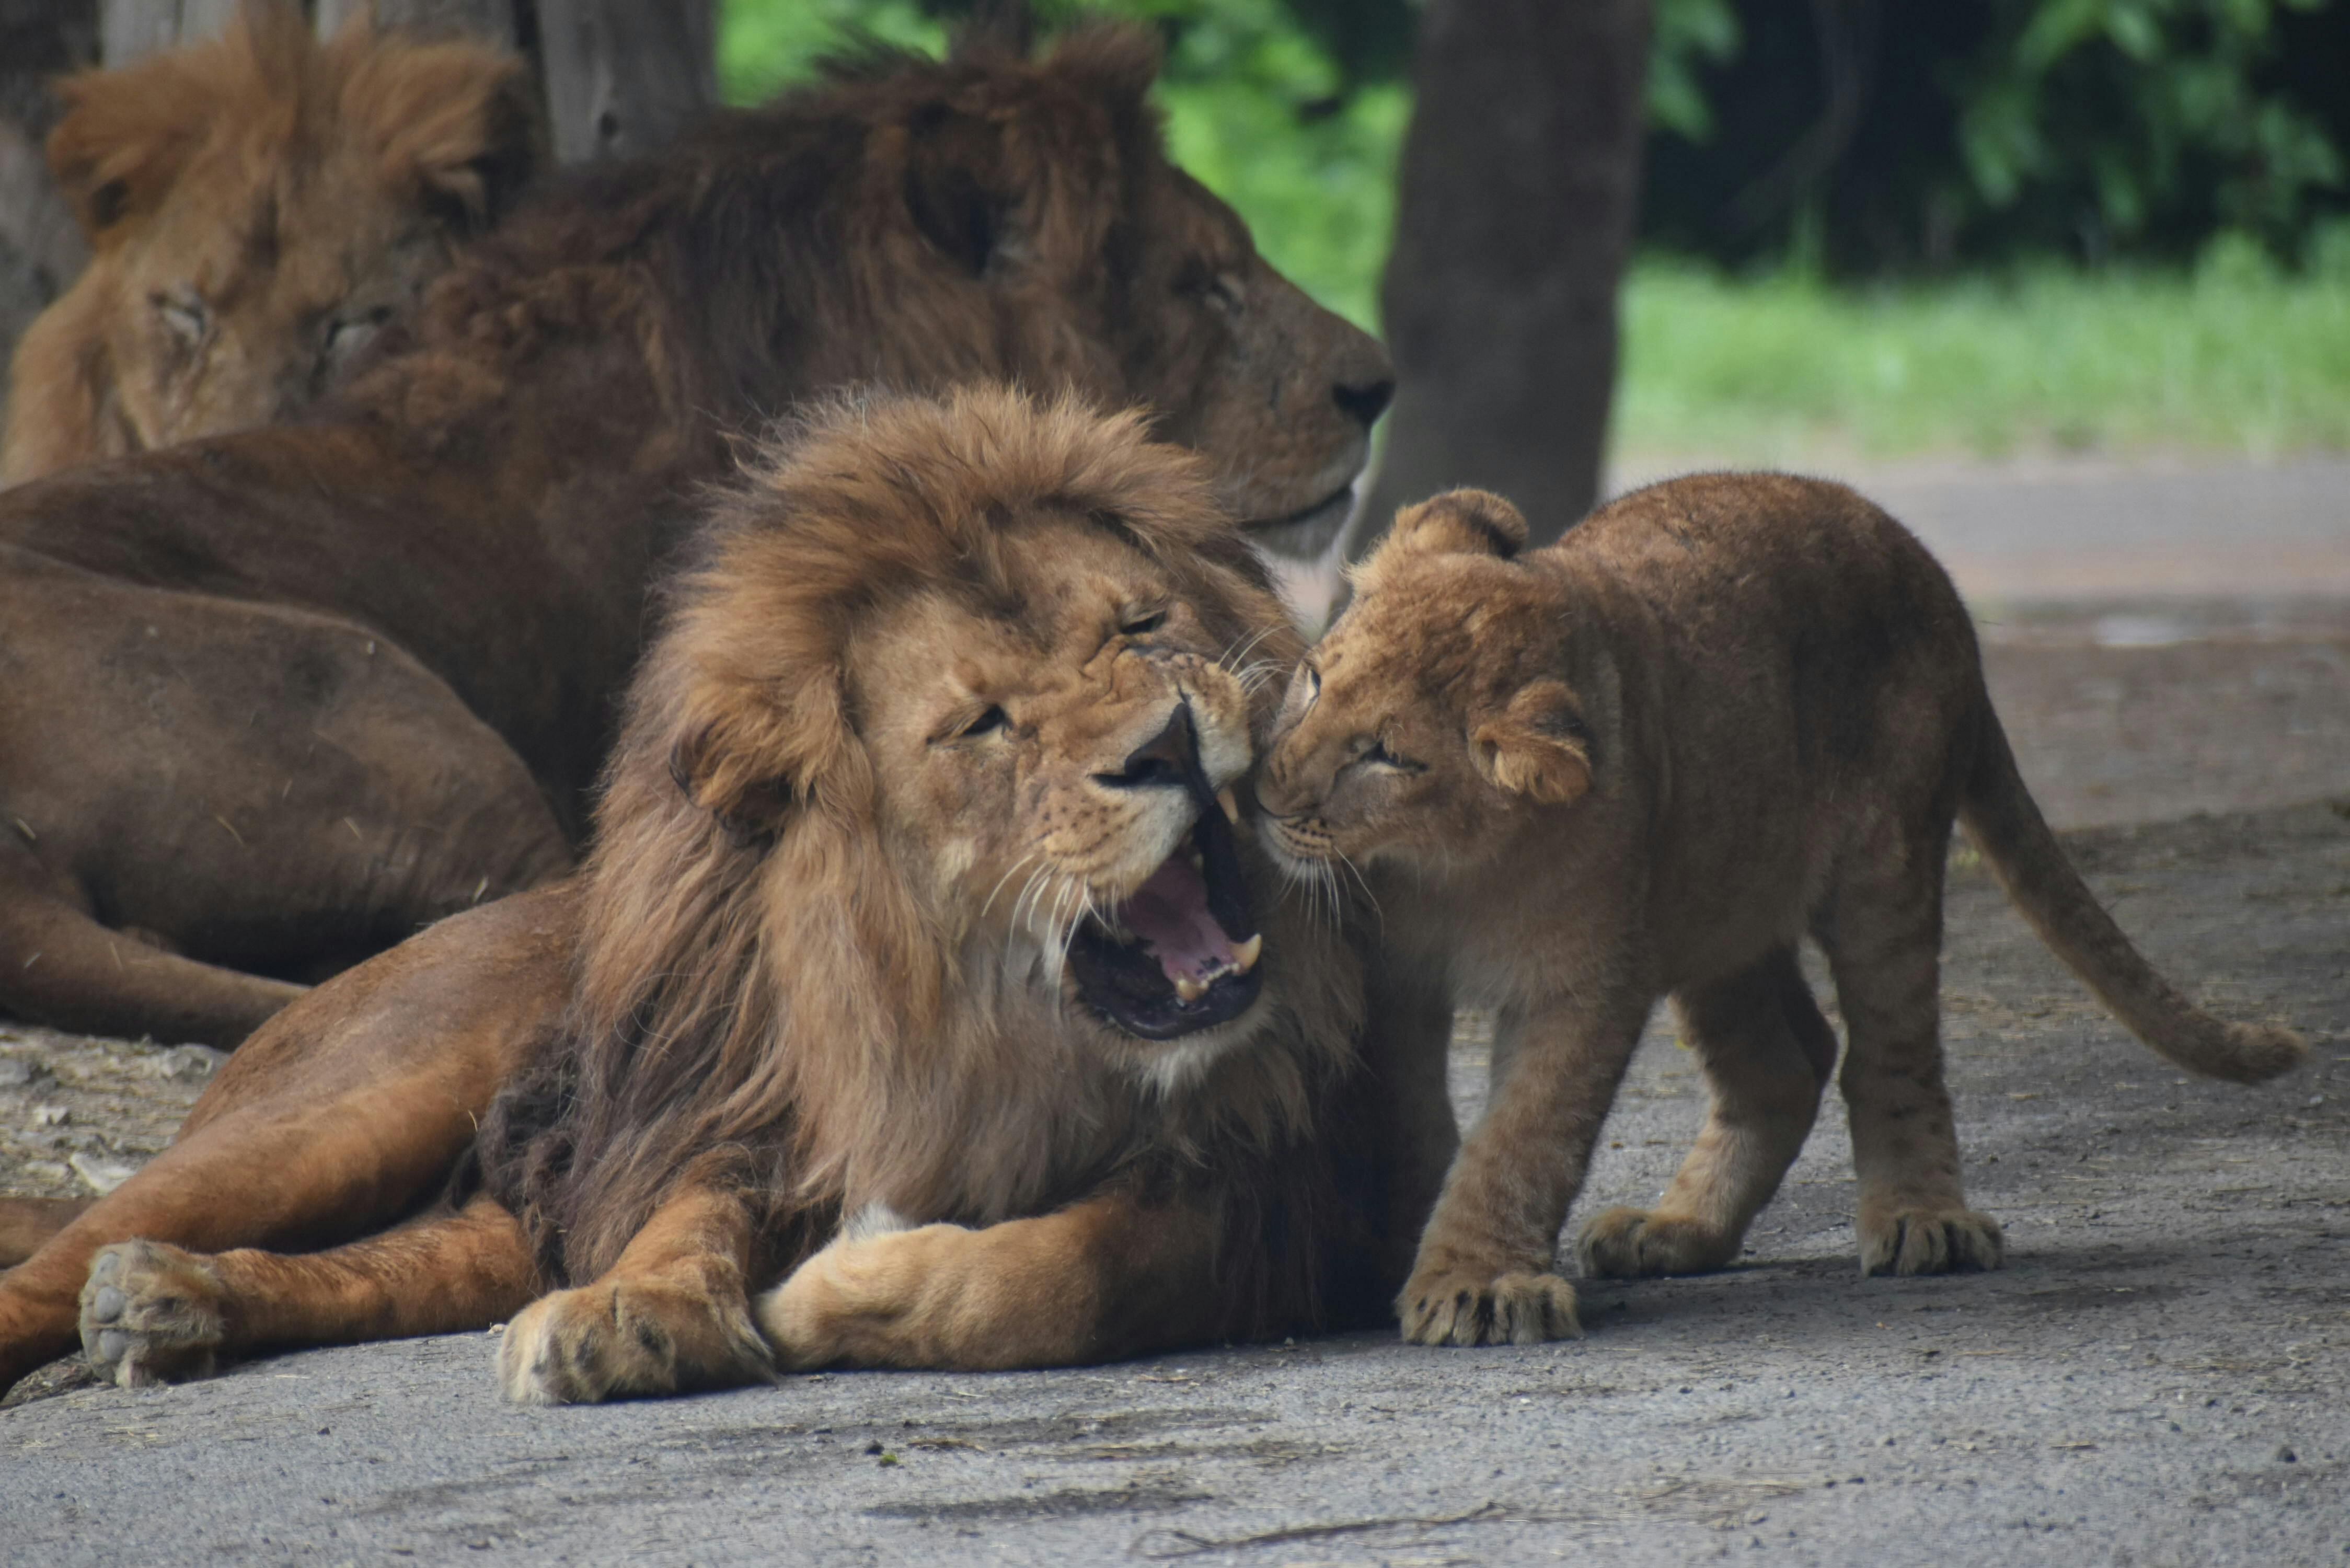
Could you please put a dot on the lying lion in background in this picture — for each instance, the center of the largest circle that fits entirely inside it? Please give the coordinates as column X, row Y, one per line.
column 919, row 895
column 1723, row 714
column 283, row 696
column 257, row 208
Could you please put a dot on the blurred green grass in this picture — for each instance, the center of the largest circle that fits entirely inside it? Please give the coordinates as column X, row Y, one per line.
column 2234, row 357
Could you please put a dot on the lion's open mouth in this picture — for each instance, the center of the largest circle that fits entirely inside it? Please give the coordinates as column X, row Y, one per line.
column 1181, row 955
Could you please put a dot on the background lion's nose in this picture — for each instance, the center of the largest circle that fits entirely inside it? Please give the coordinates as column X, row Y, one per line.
column 1365, row 402
column 1169, row 757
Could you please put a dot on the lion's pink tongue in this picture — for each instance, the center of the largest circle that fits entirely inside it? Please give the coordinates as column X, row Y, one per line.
column 1170, row 913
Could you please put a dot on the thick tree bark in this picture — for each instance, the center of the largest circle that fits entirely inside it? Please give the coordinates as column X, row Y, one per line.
column 1519, row 189
column 617, row 77
column 624, row 75
column 41, row 250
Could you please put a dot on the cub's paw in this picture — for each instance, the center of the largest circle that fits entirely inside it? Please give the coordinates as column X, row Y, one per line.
column 1632, row 1243
column 1451, row 1307
column 621, row 1339
column 1930, row 1241
column 152, row 1313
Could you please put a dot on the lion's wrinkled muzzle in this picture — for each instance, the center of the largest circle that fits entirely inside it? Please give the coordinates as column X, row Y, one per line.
column 1179, row 954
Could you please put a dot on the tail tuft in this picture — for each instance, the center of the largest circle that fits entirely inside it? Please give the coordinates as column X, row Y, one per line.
column 2259, row 1052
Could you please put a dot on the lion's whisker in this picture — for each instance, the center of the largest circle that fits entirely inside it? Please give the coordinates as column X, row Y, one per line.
column 1007, row 876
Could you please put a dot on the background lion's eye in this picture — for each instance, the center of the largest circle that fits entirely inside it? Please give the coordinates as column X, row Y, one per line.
column 348, row 337
column 1379, row 756
column 987, row 724
column 1144, row 625
column 185, row 316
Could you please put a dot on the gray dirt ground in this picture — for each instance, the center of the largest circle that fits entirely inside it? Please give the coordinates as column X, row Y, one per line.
column 2156, row 1376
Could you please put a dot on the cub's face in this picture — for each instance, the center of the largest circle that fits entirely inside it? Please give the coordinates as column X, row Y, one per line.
column 1053, row 770
column 1427, row 728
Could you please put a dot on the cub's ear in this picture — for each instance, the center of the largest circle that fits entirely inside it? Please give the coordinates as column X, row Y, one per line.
column 1459, row 521
column 458, row 122
column 1537, row 746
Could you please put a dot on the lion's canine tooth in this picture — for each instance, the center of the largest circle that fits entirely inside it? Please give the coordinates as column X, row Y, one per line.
column 1190, row 990
column 1231, row 803
column 1244, row 953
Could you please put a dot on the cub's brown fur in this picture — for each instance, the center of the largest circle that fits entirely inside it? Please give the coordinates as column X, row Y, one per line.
column 257, row 208
column 1723, row 714
column 951, row 683
column 443, row 565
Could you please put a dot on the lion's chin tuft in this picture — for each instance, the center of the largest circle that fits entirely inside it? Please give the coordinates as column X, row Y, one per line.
column 1180, row 954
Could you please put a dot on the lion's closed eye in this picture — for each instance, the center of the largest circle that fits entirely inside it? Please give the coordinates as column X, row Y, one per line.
column 988, row 720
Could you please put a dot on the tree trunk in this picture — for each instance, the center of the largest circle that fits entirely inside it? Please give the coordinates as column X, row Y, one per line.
column 617, row 77
column 1519, row 189
column 41, row 250
column 484, row 18
column 623, row 76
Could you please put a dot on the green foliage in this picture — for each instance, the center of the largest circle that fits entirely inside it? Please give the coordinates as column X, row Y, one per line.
column 2237, row 355
column 1889, row 136
column 766, row 46
column 1688, row 35
column 2153, row 114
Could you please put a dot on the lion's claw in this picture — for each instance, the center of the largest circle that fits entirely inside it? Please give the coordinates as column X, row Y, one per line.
column 1930, row 1241
column 1506, row 1309
column 152, row 1313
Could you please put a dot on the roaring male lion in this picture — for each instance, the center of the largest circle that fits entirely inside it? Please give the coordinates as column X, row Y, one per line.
column 274, row 699
column 921, row 897
column 1646, row 761
column 256, row 207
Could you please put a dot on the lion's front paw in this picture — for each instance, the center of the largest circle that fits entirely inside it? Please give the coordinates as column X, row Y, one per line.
column 1930, row 1241
column 152, row 1313
column 1632, row 1243
column 616, row 1340
column 856, row 1301
column 1453, row 1307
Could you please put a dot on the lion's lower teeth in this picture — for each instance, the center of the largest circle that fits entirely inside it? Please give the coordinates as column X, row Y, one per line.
column 1244, row 954
column 1190, row 990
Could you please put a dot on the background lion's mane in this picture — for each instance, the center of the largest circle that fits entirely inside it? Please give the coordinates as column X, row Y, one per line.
column 759, row 999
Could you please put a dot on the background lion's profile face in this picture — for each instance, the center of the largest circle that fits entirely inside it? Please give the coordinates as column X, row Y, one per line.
column 1066, row 249
column 1280, row 391
column 1049, row 760
column 258, row 207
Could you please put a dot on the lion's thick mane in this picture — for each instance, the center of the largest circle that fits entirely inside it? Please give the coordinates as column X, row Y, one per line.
column 759, row 996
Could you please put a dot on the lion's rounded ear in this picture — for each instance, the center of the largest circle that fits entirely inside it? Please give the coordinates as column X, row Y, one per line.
column 462, row 121
column 954, row 160
column 1537, row 746
column 715, row 772
column 1459, row 521
column 122, row 145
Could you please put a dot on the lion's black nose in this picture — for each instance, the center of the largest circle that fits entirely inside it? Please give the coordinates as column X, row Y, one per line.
column 1169, row 757
column 1365, row 402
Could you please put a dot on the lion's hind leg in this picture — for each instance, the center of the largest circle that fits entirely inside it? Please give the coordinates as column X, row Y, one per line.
column 1883, row 934
column 1767, row 1055
column 28, row 1223
column 158, row 1314
column 60, row 966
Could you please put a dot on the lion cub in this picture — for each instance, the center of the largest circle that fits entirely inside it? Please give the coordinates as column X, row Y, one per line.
column 1722, row 713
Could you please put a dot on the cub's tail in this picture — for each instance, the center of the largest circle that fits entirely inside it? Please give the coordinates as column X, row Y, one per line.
column 2006, row 824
